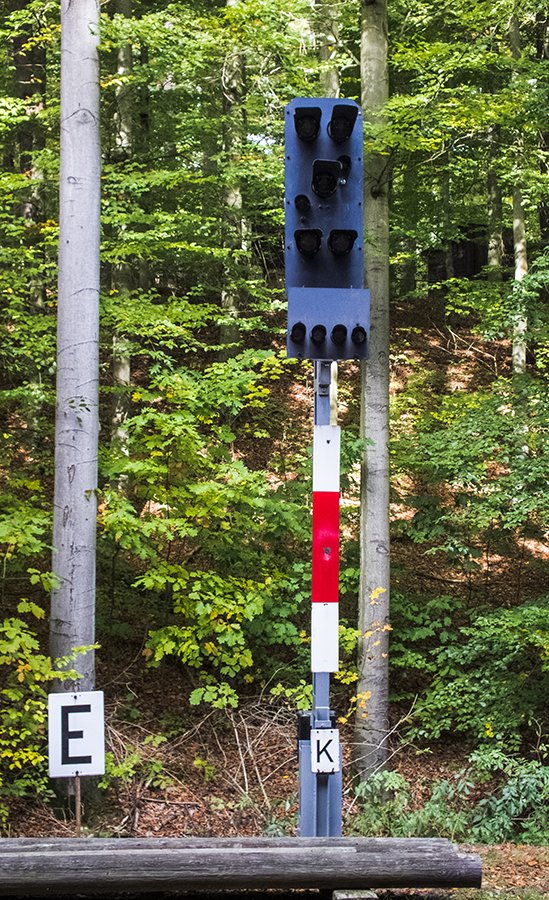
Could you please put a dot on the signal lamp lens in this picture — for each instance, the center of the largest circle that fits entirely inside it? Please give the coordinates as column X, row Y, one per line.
column 298, row 332
column 341, row 242
column 308, row 240
column 307, row 122
column 339, row 334
column 358, row 335
column 342, row 122
column 302, row 204
column 326, row 174
column 318, row 334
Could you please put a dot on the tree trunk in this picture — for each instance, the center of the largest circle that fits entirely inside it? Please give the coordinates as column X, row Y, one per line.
column 521, row 268
column 408, row 281
column 77, row 425
column 329, row 79
column 234, row 224
column 370, row 752
column 121, row 276
column 496, row 251
column 519, row 238
column 542, row 52
column 446, row 219
column 29, row 58
column 327, row 36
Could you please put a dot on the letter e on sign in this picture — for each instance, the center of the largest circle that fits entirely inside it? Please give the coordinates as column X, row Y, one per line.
column 324, row 750
column 76, row 734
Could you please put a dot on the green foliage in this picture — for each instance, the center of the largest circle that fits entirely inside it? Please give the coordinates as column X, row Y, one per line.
column 206, row 768
column 24, row 709
column 383, row 800
column 219, row 695
column 518, row 810
column 490, row 678
column 212, row 609
column 491, row 450
column 136, row 762
column 419, row 625
column 282, row 820
column 195, row 501
column 515, row 811
column 299, row 697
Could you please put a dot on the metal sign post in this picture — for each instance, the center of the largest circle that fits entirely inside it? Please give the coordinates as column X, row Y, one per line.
column 328, row 319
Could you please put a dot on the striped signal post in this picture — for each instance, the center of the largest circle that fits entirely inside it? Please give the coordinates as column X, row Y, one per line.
column 328, row 319
column 319, row 749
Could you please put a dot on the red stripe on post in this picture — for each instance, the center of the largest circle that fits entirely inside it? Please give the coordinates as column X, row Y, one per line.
column 325, row 547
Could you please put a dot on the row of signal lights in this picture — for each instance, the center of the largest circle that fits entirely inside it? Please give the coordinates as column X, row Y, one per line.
column 318, row 334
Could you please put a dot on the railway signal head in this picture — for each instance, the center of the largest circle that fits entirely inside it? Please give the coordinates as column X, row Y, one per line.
column 324, row 227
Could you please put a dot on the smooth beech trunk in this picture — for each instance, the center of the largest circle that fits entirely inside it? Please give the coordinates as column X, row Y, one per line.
column 519, row 236
column 121, row 278
column 496, row 250
column 542, row 52
column 370, row 751
column 326, row 37
column 234, row 225
column 521, row 269
column 77, row 424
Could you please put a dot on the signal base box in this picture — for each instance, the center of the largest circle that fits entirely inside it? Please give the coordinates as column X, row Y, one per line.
column 328, row 323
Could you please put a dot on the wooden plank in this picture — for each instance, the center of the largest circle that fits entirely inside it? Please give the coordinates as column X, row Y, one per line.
column 101, row 865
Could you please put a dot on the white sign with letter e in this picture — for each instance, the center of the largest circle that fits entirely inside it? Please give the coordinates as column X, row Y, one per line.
column 76, row 734
column 325, row 750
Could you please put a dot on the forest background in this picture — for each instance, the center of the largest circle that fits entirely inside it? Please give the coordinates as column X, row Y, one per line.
column 205, row 462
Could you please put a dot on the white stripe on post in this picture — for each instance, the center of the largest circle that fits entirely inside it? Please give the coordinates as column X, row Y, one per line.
column 326, row 443
column 325, row 637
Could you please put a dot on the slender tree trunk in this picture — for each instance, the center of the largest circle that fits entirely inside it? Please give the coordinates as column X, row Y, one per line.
column 121, row 281
column 29, row 63
column 370, row 752
column 235, row 226
column 519, row 237
column 121, row 276
column 123, row 118
column 329, row 78
column 542, row 48
column 29, row 58
column 445, row 203
column 521, row 268
column 327, row 37
column 76, row 436
column 408, row 282
column 496, row 251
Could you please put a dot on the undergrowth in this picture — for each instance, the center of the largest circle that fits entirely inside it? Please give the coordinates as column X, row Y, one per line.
column 517, row 810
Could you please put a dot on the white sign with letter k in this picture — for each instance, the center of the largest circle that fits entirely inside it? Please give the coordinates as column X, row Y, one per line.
column 324, row 750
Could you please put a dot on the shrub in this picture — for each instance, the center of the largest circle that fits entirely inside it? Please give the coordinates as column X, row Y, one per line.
column 24, row 710
column 517, row 811
column 491, row 679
